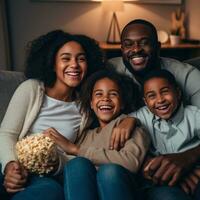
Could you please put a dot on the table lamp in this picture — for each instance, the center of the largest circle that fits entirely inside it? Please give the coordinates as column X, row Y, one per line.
column 113, row 36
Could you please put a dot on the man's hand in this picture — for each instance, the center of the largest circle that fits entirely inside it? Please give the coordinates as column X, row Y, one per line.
column 15, row 177
column 62, row 141
column 122, row 133
column 168, row 168
column 190, row 182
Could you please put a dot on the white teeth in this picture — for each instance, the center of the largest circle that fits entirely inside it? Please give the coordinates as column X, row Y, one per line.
column 105, row 107
column 72, row 73
column 137, row 58
column 162, row 107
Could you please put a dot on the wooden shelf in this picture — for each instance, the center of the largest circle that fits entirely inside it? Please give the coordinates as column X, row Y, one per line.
column 106, row 46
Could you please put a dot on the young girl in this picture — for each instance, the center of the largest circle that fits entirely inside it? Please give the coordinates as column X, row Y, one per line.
column 104, row 99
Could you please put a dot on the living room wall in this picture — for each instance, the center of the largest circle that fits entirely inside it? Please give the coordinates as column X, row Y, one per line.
column 29, row 19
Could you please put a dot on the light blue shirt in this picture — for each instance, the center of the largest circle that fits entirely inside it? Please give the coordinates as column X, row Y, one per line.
column 178, row 134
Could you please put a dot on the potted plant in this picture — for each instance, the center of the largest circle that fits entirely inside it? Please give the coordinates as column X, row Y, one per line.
column 175, row 36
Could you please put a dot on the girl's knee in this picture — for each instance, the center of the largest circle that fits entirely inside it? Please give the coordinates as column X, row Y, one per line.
column 78, row 163
column 112, row 172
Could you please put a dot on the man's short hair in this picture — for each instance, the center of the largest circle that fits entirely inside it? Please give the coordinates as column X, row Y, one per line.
column 152, row 28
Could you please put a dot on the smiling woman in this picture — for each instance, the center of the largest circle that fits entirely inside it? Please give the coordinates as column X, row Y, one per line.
column 56, row 65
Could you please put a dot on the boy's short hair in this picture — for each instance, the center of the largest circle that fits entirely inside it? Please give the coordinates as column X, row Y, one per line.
column 160, row 73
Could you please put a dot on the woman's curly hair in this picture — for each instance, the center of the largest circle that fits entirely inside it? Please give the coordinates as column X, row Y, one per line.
column 129, row 93
column 41, row 54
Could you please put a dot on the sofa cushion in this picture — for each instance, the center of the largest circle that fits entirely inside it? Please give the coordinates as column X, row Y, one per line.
column 9, row 81
column 194, row 61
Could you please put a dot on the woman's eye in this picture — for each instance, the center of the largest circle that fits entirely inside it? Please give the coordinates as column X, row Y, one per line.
column 66, row 59
column 98, row 94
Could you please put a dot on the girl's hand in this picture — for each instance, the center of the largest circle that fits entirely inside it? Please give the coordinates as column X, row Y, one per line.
column 122, row 133
column 15, row 177
column 61, row 141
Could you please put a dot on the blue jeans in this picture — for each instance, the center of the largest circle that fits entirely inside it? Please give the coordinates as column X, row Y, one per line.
column 153, row 192
column 110, row 181
column 38, row 188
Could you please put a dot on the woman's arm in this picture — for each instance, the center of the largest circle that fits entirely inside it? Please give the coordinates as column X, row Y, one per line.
column 14, row 119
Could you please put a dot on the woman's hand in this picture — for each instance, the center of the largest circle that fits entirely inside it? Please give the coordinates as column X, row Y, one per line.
column 122, row 133
column 62, row 141
column 15, row 177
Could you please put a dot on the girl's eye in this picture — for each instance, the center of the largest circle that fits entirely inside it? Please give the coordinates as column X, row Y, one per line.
column 114, row 94
column 82, row 58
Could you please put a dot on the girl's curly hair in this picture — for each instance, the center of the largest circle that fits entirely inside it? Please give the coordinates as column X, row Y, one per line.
column 129, row 93
column 42, row 51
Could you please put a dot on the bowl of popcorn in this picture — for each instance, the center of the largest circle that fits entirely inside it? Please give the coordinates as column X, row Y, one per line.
column 37, row 153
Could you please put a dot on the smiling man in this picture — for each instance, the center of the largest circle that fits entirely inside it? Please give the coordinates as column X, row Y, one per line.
column 140, row 54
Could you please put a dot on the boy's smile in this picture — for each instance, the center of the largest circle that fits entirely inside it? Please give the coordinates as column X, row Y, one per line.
column 106, row 100
column 161, row 97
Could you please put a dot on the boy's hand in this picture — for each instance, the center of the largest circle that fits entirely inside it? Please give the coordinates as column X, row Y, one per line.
column 168, row 168
column 15, row 177
column 190, row 182
column 61, row 141
column 122, row 133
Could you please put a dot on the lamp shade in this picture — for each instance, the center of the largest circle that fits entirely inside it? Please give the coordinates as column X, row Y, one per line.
column 109, row 5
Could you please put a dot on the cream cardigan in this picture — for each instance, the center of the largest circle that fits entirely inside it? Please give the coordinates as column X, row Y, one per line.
column 21, row 113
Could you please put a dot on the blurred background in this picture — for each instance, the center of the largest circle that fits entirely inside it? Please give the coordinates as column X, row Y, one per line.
column 23, row 20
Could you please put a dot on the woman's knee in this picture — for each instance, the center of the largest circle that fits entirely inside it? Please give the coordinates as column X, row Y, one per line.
column 41, row 188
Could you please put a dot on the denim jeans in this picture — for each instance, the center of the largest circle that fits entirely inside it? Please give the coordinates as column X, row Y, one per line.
column 110, row 181
column 153, row 192
column 38, row 188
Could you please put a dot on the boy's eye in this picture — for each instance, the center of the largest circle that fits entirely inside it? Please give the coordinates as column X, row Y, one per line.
column 150, row 96
column 165, row 91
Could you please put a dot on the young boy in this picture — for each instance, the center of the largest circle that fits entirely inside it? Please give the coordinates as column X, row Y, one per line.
column 174, row 129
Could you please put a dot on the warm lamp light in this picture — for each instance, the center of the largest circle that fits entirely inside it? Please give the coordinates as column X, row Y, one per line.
column 114, row 30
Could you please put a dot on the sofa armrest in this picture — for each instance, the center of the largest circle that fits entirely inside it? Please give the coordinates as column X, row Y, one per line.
column 9, row 81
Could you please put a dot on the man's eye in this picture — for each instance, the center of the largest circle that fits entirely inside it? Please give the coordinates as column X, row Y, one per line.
column 127, row 44
column 144, row 42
